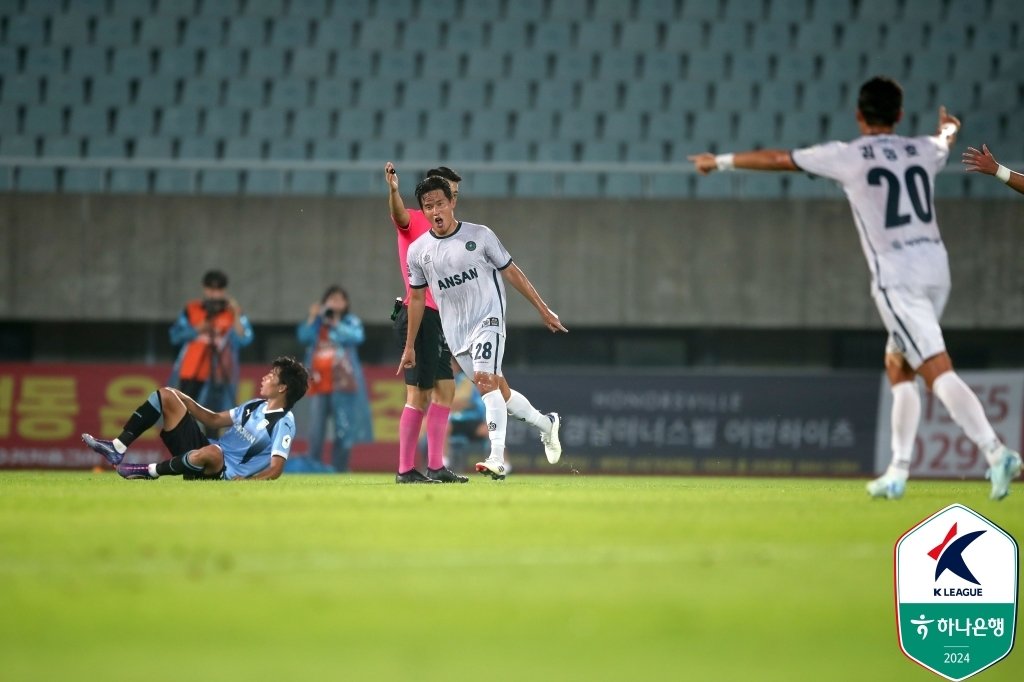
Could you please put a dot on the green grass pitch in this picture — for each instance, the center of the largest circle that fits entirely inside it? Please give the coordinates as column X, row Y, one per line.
column 536, row 578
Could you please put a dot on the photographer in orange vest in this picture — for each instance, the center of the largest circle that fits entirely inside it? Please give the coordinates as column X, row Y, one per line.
column 210, row 331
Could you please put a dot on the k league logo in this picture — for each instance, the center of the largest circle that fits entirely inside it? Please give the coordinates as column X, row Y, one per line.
column 956, row 592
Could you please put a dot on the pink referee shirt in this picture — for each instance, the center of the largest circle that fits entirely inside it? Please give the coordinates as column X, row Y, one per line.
column 418, row 226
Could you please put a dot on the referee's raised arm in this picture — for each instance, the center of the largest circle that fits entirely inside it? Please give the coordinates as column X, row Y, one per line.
column 399, row 213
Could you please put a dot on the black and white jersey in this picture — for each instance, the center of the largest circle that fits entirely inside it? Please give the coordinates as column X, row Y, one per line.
column 890, row 181
column 463, row 271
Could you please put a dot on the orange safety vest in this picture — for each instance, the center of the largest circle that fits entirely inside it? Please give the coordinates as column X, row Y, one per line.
column 195, row 363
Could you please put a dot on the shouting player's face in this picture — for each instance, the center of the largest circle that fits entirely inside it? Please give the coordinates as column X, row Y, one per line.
column 440, row 211
column 270, row 385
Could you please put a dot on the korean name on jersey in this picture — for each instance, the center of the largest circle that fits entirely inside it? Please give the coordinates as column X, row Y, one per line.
column 889, row 181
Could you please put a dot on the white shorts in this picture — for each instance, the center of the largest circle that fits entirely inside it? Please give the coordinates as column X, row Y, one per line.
column 484, row 354
column 912, row 319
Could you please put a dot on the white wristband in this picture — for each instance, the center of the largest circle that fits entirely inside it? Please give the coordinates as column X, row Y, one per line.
column 724, row 162
column 1003, row 173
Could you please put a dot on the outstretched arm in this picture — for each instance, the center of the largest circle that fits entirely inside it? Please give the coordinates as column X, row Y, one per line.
column 762, row 159
column 209, row 418
column 514, row 276
column 984, row 162
column 395, row 204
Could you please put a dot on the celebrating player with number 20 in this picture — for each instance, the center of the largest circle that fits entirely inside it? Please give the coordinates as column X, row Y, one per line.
column 888, row 180
column 465, row 266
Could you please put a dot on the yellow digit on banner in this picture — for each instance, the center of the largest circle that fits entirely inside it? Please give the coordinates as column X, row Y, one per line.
column 124, row 394
column 47, row 407
column 6, row 403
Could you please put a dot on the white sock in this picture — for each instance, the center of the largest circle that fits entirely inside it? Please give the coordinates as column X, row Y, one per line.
column 906, row 414
column 497, row 423
column 520, row 408
column 119, row 446
column 966, row 410
column 152, row 471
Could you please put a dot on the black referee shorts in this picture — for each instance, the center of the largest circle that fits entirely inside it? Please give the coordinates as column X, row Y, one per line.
column 433, row 358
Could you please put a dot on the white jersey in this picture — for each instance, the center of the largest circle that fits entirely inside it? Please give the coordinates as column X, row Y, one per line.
column 889, row 181
column 462, row 270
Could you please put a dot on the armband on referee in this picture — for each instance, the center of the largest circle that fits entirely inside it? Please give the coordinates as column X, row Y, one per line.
column 724, row 162
column 1003, row 173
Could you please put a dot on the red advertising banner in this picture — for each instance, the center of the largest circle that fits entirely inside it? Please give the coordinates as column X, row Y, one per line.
column 44, row 409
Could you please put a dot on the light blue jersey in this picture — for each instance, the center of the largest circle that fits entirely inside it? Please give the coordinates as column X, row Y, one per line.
column 255, row 436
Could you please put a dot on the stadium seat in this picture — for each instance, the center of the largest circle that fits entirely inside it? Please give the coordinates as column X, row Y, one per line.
column 157, row 31
column 795, row 66
column 438, row 65
column 106, row 148
column 200, row 92
column 64, row 90
column 25, row 29
column 800, row 129
column 129, row 181
column 308, row 8
column 35, row 179
column 700, row 9
column 447, row 125
column 43, row 60
column 468, row 93
column 581, row 184
column 532, row 10
column 599, row 95
column 311, row 62
column 264, row 181
column 716, row 186
column 174, row 181
column 732, row 96
column 759, row 185
column 291, row 31
column 645, row 96
column 360, row 123
column 595, row 35
column 222, row 62
column 115, row 30
column 310, row 182
column 534, row 184
column 333, row 93
column 557, row 151
column 750, row 67
column 266, row 8
column 773, row 37
column 84, row 180
column 219, row 181
column 471, row 36
column 555, row 95
column 185, row 8
column 10, row 120
column 619, row 65
column 180, row 121
column 14, row 145
column 135, row 121
column 755, row 129
column 69, row 29
column 287, row 150
column 552, row 36
column 510, row 94
column 688, row 96
column 620, row 184
column 154, row 148
column 576, row 124
column 708, row 129
column 193, row 147
column 645, row 152
column 422, row 34
column 842, row 66
column 399, row 124
column 246, row 31
column 668, row 186
column 625, row 126
column 202, row 31
column 642, row 35
column 62, row 147
column 158, row 91
column 20, row 89
column 481, row 9
column 427, row 152
column 705, row 66
column 508, row 150
column 245, row 92
column 531, row 65
column 779, row 96
column 313, row 122
column 396, row 65
column 175, row 61
column 486, row 184
column 726, row 36
column 357, row 183
column 265, row 62
column 83, row 121
column 460, row 151
column 289, row 93
column 534, row 124
column 243, row 149
column 573, row 65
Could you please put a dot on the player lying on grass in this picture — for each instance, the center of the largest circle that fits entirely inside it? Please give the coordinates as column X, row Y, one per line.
column 255, row 446
column 888, row 180
column 460, row 263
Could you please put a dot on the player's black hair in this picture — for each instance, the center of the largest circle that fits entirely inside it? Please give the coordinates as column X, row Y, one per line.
column 294, row 376
column 880, row 101
column 215, row 279
column 430, row 184
column 444, row 172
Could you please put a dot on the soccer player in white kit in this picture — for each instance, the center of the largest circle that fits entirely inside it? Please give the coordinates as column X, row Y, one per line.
column 889, row 180
column 465, row 266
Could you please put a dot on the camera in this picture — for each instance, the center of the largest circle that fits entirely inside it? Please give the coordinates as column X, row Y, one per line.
column 214, row 306
column 332, row 313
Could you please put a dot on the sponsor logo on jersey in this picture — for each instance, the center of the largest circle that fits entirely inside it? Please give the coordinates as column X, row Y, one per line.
column 457, row 279
column 470, row 246
column 491, row 322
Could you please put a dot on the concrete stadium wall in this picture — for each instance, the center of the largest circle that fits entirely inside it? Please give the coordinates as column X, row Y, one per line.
column 790, row 264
